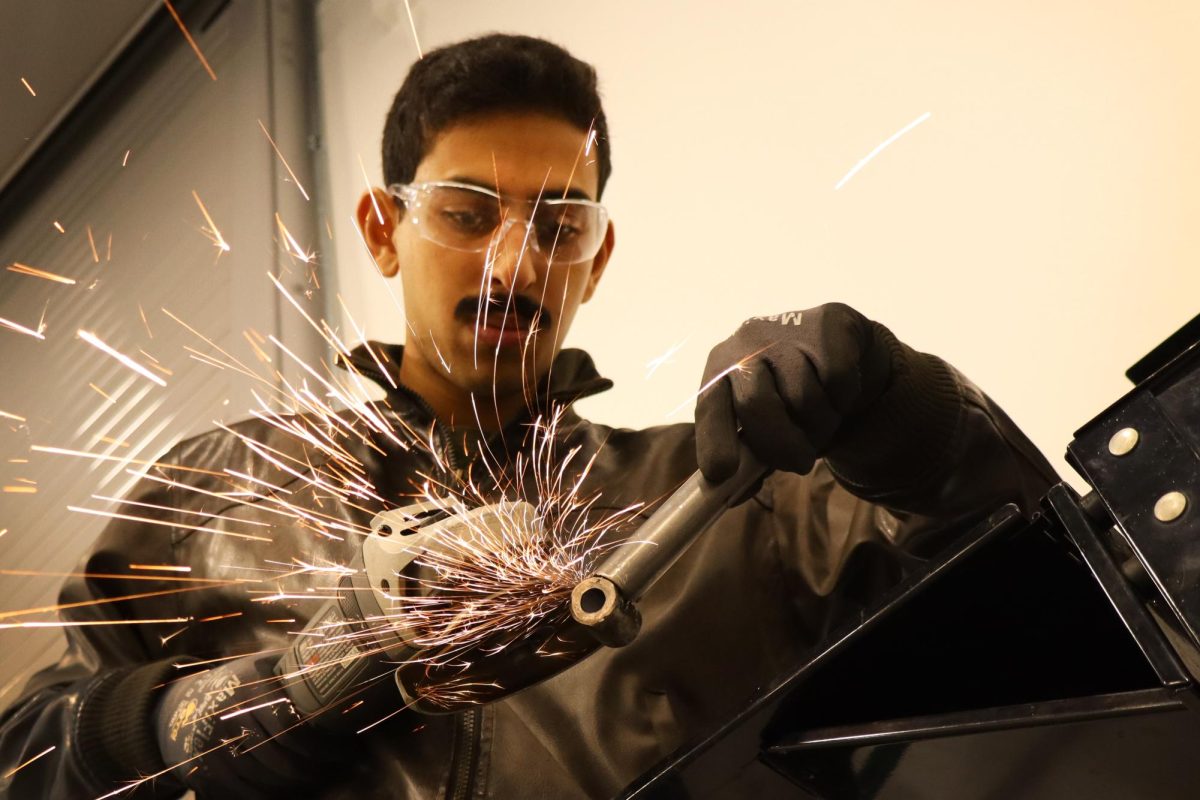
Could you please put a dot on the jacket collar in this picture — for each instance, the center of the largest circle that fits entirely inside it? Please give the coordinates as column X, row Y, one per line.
column 573, row 376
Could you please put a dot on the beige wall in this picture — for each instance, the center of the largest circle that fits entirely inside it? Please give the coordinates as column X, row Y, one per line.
column 1038, row 230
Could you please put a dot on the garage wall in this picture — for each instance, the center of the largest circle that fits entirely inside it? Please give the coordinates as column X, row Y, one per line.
column 113, row 214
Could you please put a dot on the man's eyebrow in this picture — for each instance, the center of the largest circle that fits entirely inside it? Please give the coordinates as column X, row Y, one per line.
column 550, row 192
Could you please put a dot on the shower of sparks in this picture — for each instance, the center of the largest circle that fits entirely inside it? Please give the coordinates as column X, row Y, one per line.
column 25, row 269
column 30, row 88
column 653, row 364
column 283, row 160
column 59, row 227
column 881, row 148
column 190, row 40
column 92, row 243
column 291, row 246
column 25, row 764
column 22, row 329
column 95, row 341
column 211, row 231
column 413, row 27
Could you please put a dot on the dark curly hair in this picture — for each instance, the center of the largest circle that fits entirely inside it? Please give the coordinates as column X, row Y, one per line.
column 498, row 72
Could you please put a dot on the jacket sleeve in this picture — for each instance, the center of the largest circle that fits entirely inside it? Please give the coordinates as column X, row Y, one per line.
column 94, row 706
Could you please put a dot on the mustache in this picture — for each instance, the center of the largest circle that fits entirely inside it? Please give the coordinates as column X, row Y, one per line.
column 518, row 307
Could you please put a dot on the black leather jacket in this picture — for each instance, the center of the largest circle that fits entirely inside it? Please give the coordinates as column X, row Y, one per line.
column 737, row 611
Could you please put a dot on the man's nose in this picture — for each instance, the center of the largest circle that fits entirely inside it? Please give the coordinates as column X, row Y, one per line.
column 512, row 259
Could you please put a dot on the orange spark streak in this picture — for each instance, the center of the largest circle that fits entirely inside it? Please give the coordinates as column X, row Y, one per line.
column 199, row 528
column 277, row 621
column 98, row 457
column 413, row 26
column 92, row 242
column 190, row 40
column 110, row 440
column 370, row 193
column 142, row 312
column 25, row 269
column 20, row 767
column 18, row 460
column 290, row 243
column 737, row 366
column 241, row 711
column 8, row 625
column 283, row 160
column 220, row 616
column 212, row 231
column 105, row 600
column 108, row 256
column 11, row 416
column 59, row 226
column 125, row 160
column 30, row 88
column 20, row 490
column 101, row 392
column 95, row 341
column 29, row 573
column 167, row 567
column 22, row 329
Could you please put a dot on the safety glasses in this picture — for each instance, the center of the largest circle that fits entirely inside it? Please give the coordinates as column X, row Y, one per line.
column 472, row 219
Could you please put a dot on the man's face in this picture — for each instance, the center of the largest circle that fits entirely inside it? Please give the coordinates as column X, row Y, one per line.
column 521, row 156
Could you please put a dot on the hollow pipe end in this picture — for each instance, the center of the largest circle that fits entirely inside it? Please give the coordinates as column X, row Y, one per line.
column 597, row 605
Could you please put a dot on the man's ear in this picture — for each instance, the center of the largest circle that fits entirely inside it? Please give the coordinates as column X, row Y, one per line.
column 600, row 262
column 377, row 217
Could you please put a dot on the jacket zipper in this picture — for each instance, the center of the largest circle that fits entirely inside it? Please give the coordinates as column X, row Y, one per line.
column 465, row 761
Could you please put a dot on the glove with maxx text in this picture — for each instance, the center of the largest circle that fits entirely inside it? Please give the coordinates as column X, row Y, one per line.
column 825, row 382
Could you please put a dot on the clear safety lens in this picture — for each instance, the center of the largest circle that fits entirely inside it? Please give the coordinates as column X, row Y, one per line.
column 466, row 218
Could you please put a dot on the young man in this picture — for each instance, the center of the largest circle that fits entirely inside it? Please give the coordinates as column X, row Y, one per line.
column 495, row 157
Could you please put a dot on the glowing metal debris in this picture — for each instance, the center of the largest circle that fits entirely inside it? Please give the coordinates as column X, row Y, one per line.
column 283, row 160
column 28, row 87
column 25, row 764
column 25, row 269
column 96, row 342
column 92, row 244
column 413, row 27
column 187, row 35
column 211, row 231
column 862, row 163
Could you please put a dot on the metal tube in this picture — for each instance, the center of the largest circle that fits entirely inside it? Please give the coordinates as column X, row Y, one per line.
column 604, row 601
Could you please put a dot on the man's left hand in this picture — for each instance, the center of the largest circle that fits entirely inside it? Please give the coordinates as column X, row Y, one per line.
column 789, row 382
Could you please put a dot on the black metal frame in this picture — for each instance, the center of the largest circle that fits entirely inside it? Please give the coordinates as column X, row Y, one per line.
column 1042, row 658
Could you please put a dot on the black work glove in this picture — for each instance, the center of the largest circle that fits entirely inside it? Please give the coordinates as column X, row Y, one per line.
column 265, row 751
column 824, row 382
